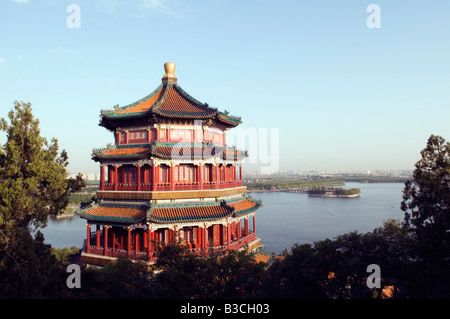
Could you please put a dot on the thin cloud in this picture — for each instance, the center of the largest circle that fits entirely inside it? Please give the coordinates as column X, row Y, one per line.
column 158, row 5
column 21, row 1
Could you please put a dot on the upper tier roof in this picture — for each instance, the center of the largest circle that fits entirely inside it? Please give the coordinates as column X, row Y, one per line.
column 168, row 100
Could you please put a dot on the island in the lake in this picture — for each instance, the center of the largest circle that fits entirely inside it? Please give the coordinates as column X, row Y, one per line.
column 332, row 192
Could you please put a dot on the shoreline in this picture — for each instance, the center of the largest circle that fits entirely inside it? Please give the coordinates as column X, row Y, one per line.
column 334, row 196
column 63, row 216
column 330, row 185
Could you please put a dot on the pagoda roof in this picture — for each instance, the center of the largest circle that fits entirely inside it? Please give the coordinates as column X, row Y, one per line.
column 170, row 212
column 187, row 213
column 167, row 150
column 168, row 100
column 116, row 214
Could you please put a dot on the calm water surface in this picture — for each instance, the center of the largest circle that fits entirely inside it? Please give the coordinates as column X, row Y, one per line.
column 286, row 219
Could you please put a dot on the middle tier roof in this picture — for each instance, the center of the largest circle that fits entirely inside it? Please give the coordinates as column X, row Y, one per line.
column 167, row 150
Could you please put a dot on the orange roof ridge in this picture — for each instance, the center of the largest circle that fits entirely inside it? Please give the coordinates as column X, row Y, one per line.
column 145, row 105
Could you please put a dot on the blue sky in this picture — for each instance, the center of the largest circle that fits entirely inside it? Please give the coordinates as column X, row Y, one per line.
column 341, row 95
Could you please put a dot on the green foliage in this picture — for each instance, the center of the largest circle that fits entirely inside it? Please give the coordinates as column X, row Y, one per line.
column 76, row 184
column 62, row 255
column 426, row 203
column 337, row 268
column 292, row 183
column 77, row 198
column 27, row 268
column 336, row 191
column 32, row 186
column 176, row 274
column 32, row 175
column 186, row 275
column 351, row 191
column 317, row 190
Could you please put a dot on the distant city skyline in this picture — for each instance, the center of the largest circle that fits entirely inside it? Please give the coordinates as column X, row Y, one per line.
column 95, row 176
column 338, row 91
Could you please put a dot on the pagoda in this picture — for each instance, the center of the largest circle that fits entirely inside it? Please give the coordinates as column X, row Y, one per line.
column 169, row 177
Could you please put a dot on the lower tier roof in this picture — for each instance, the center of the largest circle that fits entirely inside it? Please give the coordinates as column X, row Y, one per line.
column 169, row 213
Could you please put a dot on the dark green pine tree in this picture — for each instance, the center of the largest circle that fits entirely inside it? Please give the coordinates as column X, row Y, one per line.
column 426, row 203
column 33, row 185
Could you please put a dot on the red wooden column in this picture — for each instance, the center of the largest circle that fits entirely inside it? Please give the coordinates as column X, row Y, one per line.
column 98, row 236
column 129, row 241
column 105, row 234
column 222, row 234
column 217, row 177
column 102, row 177
column 154, row 176
column 88, row 241
column 116, row 176
column 199, row 237
column 228, row 235
column 238, row 226
column 232, row 230
column 195, row 238
column 246, row 227
column 148, row 135
column 205, row 237
column 254, row 224
column 149, row 243
column 214, row 235
column 187, row 237
column 139, row 177
column 240, row 172
column 171, row 176
column 200, row 177
column 225, row 175
column 136, row 241
column 219, row 235
column 246, row 230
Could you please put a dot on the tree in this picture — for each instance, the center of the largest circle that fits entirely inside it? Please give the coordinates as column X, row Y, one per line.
column 337, row 268
column 76, row 184
column 33, row 185
column 32, row 175
column 191, row 276
column 426, row 203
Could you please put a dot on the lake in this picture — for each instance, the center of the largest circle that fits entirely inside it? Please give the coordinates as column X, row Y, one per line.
column 285, row 218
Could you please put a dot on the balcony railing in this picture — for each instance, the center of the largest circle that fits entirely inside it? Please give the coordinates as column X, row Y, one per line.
column 167, row 186
column 186, row 186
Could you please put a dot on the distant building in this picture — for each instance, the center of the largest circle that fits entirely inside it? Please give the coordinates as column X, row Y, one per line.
column 87, row 176
column 169, row 176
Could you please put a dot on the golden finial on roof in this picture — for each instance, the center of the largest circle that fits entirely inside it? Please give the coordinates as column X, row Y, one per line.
column 169, row 77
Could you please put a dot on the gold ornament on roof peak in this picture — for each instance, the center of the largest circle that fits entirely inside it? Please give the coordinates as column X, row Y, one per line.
column 169, row 77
